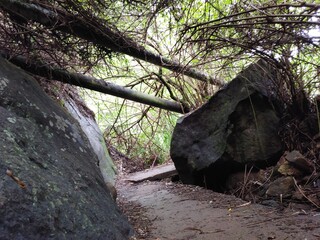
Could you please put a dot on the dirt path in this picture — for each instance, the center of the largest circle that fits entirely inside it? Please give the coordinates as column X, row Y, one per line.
column 160, row 210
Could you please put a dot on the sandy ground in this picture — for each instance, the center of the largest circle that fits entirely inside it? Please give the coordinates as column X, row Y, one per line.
column 166, row 210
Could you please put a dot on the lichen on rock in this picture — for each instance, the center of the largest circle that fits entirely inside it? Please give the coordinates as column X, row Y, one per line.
column 54, row 190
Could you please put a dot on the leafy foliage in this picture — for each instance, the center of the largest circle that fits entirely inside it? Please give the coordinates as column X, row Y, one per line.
column 219, row 37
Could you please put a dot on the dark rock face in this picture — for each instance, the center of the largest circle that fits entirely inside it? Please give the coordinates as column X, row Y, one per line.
column 50, row 185
column 237, row 126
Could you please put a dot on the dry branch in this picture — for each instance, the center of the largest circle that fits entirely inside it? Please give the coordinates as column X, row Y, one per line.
column 95, row 32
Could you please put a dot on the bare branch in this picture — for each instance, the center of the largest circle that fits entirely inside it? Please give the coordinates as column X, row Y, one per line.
column 96, row 33
column 80, row 80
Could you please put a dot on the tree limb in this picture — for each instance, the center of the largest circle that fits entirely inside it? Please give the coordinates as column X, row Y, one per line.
column 95, row 32
column 99, row 85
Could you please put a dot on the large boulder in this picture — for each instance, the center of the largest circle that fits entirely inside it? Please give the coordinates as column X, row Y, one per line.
column 51, row 186
column 77, row 108
column 238, row 126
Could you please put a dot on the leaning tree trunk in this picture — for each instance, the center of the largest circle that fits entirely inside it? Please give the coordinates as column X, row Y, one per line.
column 99, row 85
column 99, row 34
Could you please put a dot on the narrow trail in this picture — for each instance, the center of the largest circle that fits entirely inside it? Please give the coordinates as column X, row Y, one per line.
column 171, row 211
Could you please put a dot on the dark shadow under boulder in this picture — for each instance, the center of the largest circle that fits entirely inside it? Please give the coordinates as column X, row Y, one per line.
column 50, row 184
column 238, row 126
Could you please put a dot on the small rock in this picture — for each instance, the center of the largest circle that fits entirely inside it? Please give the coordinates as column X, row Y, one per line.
column 297, row 160
column 286, row 169
column 281, row 186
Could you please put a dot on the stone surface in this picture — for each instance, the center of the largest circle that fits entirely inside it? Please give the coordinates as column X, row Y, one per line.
column 286, row 169
column 294, row 164
column 283, row 186
column 237, row 126
column 50, row 185
column 296, row 159
column 96, row 139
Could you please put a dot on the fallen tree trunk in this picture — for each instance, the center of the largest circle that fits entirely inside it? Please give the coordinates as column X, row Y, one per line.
column 99, row 85
column 98, row 34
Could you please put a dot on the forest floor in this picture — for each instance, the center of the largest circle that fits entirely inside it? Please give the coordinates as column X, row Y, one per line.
column 166, row 210
column 162, row 210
